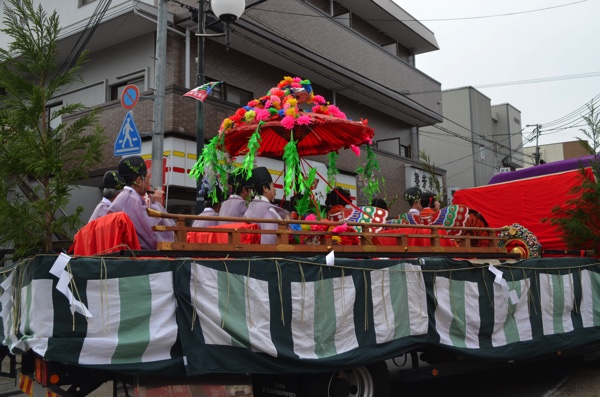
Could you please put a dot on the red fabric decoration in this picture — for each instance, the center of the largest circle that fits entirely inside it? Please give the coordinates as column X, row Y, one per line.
column 222, row 238
column 110, row 233
column 526, row 202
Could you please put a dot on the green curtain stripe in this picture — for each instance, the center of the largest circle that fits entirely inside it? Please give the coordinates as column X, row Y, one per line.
column 134, row 325
column 595, row 287
column 458, row 326
column 232, row 306
column 400, row 300
column 511, row 330
column 324, row 321
column 558, row 302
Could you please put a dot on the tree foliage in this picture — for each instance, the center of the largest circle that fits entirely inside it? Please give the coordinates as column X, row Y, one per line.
column 578, row 218
column 39, row 165
column 433, row 183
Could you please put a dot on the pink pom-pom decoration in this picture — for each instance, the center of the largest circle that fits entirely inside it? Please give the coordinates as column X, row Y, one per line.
column 288, row 122
column 262, row 114
column 303, row 120
column 340, row 228
column 355, row 149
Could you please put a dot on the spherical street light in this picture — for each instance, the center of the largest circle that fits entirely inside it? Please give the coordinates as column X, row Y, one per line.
column 228, row 10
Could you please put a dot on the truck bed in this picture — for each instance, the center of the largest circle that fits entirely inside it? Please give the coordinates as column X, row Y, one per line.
column 277, row 315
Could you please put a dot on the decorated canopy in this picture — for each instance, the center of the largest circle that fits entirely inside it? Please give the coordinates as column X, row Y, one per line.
column 276, row 126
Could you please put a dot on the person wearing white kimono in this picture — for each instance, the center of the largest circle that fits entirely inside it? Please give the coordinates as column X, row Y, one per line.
column 112, row 185
column 131, row 201
column 261, row 207
column 237, row 203
column 212, row 202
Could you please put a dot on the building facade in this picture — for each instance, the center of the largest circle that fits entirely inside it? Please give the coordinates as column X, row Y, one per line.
column 359, row 55
column 475, row 140
column 554, row 152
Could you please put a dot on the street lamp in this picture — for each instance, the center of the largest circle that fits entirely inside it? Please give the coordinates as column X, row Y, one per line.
column 227, row 11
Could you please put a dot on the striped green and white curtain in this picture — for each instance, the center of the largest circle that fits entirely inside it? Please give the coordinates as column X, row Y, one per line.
column 293, row 315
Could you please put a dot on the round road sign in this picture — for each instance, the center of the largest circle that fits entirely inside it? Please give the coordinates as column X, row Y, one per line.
column 130, row 96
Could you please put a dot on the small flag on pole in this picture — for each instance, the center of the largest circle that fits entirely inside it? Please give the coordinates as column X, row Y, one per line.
column 201, row 92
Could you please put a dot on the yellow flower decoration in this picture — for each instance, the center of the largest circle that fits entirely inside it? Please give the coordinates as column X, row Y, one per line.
column 290, row 112
column 250, row 115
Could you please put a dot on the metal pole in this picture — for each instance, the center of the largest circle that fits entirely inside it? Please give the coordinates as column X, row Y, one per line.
column 158, row 112
column 537, row 146
column 199, row 104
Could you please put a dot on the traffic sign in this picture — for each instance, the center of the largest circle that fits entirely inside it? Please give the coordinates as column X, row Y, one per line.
column 128, row 141
column 130, row 96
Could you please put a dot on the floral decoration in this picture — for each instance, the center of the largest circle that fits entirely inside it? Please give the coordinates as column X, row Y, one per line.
column 519, row 239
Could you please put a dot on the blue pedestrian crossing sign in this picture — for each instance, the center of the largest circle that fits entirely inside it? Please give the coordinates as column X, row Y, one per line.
column 128, row 141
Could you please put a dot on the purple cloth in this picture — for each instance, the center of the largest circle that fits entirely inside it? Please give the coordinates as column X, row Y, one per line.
column 233, row 206
column 542, row 169
column 207, row 212
column 134, row 205
column 101, row 209
column 263, row 209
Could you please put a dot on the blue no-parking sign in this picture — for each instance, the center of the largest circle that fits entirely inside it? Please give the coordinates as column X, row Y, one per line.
column 130, row 96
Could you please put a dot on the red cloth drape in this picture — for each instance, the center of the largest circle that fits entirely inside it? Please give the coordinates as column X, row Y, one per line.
column 412, row 241
column 526, row 202
column 109, row 233
column 221, row 238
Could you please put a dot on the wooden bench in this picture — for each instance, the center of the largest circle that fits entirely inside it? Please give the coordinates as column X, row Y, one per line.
column 394, row 241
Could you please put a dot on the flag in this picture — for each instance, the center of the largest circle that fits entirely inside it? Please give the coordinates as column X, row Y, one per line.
column 201, row 92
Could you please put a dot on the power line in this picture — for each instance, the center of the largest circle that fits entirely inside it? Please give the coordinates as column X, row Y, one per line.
column 264, row 10
column 501, row 15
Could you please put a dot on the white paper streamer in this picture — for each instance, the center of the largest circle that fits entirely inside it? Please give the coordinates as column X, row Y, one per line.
column 511, row 295
column 64, row 279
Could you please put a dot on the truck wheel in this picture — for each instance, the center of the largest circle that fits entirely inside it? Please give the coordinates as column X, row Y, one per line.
column 371, row 381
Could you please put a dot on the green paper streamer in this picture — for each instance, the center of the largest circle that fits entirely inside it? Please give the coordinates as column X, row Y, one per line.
column 253, row 146
column 292, row 165
column 332, row 170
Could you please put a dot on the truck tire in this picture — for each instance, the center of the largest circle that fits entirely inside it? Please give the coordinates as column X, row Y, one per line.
column 371, row 381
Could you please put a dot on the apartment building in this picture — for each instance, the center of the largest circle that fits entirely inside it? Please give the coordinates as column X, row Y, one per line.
column 359, row 55
column 476, row 139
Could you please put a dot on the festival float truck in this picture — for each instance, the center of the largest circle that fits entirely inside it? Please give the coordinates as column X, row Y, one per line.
column 214, row 313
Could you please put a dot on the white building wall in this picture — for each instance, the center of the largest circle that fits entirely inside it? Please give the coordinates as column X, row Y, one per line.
column 447, row 151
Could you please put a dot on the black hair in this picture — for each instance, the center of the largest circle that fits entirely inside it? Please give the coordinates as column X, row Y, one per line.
column 428, row 200
column 334, row 197
column 379, row 203
column 260, row 189
column 412, row 195
column 211, row 201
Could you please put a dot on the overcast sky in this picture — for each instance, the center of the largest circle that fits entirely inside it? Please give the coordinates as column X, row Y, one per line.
column 534, row 43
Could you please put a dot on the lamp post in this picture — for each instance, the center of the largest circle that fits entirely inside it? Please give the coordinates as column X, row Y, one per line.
column 227, row 11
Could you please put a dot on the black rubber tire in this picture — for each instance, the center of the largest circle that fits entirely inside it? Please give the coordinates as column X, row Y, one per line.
column 371, row 381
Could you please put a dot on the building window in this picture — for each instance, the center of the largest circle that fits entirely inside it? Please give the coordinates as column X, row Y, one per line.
column 229, row 93
column 482, row 152
column 405, row 151
column 51, row 108
column 117, row 89
column 85, row 2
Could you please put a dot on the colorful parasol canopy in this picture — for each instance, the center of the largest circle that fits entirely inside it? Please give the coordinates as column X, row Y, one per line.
column 321, row 135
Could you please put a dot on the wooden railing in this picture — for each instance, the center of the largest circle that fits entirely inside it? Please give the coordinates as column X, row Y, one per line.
column 397, row 238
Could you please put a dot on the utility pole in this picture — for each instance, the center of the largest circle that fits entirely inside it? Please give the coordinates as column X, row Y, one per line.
column 537, row 137
column 158, row 111
column 200, row 104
